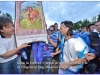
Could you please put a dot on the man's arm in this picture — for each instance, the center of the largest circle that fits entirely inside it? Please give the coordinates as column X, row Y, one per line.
column 12, row 52
column 90, row 56
column 55, row 53
column 65, row 65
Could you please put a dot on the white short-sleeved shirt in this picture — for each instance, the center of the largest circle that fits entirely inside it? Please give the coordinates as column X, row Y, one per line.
column 7, row 44
column 74, row 48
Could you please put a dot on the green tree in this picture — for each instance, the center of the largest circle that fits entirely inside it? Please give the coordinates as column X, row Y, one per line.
column 80, row 23
column 0, row 11
column 6, row 15
column 98, row 17
column 85, row 22
column 77, row 25
column 94, row 19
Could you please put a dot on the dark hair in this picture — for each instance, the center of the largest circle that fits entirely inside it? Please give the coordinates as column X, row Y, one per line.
column 70, row 25
column 96, row 22
column 55, row 24
column 53, row 27
column 4, row 21
column 88, row 27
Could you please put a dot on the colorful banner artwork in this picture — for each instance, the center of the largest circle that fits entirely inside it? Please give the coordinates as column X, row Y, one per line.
column 30, row 23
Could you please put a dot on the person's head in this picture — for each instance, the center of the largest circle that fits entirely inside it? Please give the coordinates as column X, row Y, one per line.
column 51, row 29
column 56, row 26
column 91, row 27
column 97, row 26
column 83, row 29
column 66, row 28
column 6, row 26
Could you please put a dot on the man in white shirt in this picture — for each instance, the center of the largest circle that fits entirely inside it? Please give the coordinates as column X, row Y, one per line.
column 9, row 60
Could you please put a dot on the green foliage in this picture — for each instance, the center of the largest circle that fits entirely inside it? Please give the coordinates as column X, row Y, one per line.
column 94, row 19
column 98, row 17
column 76, row 25
column 80, row 23
column 85, row 22
column 0, row 11
column 6, row 15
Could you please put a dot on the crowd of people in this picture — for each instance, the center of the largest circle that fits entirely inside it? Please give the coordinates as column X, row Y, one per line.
column 73, row 52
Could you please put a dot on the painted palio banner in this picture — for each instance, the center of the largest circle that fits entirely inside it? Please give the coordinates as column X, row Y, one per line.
column 30, row 23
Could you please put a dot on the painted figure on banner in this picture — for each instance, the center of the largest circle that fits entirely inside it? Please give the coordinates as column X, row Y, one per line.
column 30, row 22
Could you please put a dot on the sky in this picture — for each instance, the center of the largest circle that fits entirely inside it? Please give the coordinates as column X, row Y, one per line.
column 58, row 11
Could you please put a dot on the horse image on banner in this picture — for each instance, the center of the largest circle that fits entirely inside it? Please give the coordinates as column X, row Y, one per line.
column 30, row 23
